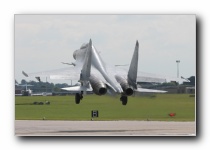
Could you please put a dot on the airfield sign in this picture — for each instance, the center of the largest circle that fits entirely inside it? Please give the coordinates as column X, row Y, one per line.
column 94, row 113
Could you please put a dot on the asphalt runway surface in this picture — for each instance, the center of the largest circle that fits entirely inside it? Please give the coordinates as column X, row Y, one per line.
column 103, row 128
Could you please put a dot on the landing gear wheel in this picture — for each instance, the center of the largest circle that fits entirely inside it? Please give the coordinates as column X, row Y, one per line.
column 124, row 99
column 77, row 98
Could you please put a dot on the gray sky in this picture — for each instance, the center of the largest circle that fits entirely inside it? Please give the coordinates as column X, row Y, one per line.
column 42, row 42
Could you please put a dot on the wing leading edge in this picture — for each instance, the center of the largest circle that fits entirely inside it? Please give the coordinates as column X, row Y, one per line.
column 140, row 90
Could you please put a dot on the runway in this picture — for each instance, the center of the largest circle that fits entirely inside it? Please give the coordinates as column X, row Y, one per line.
column 103, row 128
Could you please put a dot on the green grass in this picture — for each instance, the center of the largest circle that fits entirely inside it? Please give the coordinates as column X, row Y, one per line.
column 137, row 108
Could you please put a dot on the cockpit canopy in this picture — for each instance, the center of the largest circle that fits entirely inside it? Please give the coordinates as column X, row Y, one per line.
column 80, row 52
column 84, row 45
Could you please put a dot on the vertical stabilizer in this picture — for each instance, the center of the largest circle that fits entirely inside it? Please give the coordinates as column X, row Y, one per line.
column 85, row 72
column 132, row 72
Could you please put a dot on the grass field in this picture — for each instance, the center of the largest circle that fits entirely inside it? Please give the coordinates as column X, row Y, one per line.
column 138, row 108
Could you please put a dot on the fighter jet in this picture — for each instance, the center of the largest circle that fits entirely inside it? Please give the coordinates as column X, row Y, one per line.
column 96, row 76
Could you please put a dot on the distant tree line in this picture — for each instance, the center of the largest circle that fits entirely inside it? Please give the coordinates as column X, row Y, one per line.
column 44, row 86
column 51, row 87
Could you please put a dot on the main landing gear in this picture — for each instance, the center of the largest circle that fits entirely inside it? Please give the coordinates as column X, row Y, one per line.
column 78, row 97
column 124, row 99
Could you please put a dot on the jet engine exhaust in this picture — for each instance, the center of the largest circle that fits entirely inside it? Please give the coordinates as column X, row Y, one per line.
column 125, row 86
column 99, row 88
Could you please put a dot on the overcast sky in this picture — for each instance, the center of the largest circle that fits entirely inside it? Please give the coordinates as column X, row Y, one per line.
column 42, row 42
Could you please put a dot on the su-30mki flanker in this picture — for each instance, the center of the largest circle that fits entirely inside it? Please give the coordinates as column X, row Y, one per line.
column 94, row 75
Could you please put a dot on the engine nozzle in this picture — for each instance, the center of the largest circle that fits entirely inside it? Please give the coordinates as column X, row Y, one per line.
column 127, row 89
column 99, row 87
